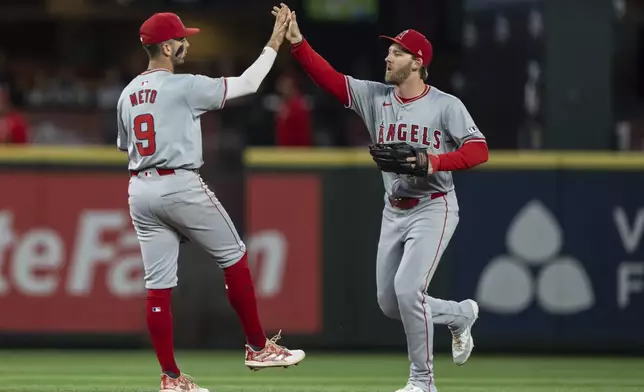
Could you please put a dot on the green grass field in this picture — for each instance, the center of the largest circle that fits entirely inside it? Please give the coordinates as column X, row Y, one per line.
column 37, row 371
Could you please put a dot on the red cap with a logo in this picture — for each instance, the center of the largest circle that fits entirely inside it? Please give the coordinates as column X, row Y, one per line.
column 162, row 27
column 415, row 43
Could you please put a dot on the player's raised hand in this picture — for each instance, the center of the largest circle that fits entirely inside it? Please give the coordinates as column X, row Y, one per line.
column 293, row 34
column 282, row 18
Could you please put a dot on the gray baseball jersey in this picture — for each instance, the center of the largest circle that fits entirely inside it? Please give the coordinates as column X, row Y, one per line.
column 159, row 121
column 159, row 127
column 412, row 241
column 434, row 120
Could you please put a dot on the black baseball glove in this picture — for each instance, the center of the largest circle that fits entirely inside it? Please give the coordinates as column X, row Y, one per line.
column 400, row 158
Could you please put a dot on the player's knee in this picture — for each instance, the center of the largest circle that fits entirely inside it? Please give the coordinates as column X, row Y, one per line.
column 237, row 267
column 388, row 304
column 407, row 296
column 160, row 278
column 160, row 284
column 236, row 257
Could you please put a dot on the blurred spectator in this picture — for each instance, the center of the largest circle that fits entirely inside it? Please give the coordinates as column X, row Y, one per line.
column 109, row 90
column 69, row 90
column 355, row 132
column 7, row 80
column 107, row 96
column 39, row 95
column 5, row 76
column 13, row 126
column 64, row 90
column 293, row 116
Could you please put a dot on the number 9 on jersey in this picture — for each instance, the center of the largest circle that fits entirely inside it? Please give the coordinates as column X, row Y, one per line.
column 145, row 134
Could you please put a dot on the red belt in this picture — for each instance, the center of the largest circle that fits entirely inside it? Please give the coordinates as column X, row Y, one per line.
column 405, row 203
column 161, row 172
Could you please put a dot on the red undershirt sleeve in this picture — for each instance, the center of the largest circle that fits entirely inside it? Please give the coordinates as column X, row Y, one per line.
column 472, row 153
column 322, row 73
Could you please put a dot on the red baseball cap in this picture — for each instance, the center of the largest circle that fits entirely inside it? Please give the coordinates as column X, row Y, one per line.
column 162, row 27
column 415, row 43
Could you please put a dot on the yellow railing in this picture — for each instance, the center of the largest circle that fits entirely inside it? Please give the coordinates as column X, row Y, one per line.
column 77, row 155
column 323, row 157
column 505, row 160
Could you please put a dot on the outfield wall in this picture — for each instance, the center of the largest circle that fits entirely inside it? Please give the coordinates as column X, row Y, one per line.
column 548, row 243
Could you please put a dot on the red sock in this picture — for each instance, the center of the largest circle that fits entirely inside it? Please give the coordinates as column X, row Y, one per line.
column 241, row 294
column 159, row 320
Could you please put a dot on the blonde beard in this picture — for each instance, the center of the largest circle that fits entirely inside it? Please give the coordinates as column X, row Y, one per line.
column 399, row 76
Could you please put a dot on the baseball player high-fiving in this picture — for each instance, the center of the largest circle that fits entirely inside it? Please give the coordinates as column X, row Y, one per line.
column 420, row 134
column 159, row 126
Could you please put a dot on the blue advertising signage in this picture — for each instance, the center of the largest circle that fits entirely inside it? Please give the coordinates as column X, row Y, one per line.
column 552, row 257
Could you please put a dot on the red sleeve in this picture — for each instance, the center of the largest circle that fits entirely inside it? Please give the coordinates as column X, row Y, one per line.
column 294, row 128
column 300, row 118
column 472, row 153
column 322, row 73
column 19, row 134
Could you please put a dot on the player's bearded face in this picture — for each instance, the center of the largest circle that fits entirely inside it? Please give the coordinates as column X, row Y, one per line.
column 182, row 47
column 398, row 71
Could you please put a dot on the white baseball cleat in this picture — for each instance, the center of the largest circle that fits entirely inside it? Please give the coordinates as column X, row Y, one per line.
column 183, row 383
column 272, row 355
column 410, row 388
column 463, row 343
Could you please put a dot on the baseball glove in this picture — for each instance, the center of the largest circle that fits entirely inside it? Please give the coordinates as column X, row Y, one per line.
column 395, row 158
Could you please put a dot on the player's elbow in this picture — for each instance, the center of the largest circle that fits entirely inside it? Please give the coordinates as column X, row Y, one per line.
column 245, row 88
column 241, row 87
column 250, row 86
column 483, row 155
column 475, row 153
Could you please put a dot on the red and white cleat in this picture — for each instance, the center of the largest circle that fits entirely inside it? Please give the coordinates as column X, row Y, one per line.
column 183, row 383
column 272, row 355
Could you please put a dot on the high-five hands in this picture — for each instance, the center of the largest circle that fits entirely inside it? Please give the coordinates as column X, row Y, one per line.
column 282, row 19
column 293, row 34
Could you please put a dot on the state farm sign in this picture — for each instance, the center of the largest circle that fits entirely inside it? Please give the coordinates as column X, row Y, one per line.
column 69, row 258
